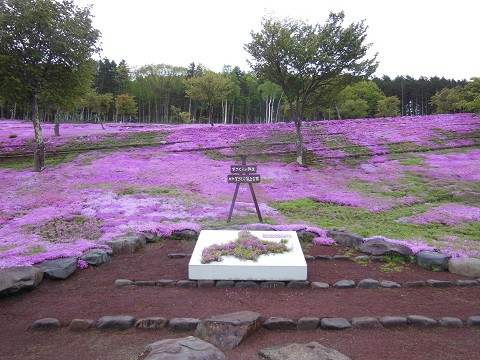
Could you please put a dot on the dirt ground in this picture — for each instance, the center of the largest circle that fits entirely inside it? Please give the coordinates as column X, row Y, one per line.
column 91, row 294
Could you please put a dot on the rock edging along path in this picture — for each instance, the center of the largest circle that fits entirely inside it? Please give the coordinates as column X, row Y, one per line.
column 184, row 324
column 15, row 280
column 341, row 284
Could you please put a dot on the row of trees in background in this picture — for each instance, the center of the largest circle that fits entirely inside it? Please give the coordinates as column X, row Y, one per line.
column 174, row 94
column 300, row 72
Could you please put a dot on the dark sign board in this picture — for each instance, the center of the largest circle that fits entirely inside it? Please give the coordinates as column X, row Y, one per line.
column 243, row 179
column 243, row 168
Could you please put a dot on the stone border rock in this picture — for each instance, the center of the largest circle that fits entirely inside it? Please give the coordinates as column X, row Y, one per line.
column 307, row 323
column 315, row 285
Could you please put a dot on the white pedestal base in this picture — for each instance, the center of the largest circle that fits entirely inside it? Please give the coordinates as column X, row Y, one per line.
column 275, row 267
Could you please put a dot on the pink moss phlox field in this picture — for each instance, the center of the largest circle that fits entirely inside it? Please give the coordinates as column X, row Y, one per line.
column 80, row 204
column 451, row 214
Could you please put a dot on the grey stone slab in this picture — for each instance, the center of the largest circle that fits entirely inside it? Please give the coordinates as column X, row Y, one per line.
column 335, row 323
column 319, row 285
column 177, row 255
column 440, row 283
column 272, row 284
column 145, row 283
column 366, row 322
column 298, row 284
column 151, row 323
column 183, row 324
column 473, row 321
column 206, row 283
column 414, row 284
column 432, row 259
column 46, row 323
column 341, row 258
column 466, row 267
column 222, row 284
column 97, row 257
column 308, row 323
column 81, row 324
column 344, row 284
column 187, row 348
column 323, row 257
column 309, row 258
column 227, row 331
column 279, row 323
column 58, row 269
column 464, row 283
column 393, row 321
column 380, row 247
column 18, row 279
column 294, row 351
column 345, row 238
column 247, row 285
column 186, row 284
column 450, row 322
column 166, row 283
column 186, row 234
column 422, row 321
column 115, row 322
column 127, row 243
column 361, row 259
column 389, row 284
column 368, row 284
column 150, row 237
column 123, row 282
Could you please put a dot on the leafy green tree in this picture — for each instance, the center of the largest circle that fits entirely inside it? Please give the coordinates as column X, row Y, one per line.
column 302, row 59
column 388, row 107
column 126, row 106
column 42, row 44
column 448, row 101
column 471, row 93
column 354, row 109
column 364, row 90
column 210, row 88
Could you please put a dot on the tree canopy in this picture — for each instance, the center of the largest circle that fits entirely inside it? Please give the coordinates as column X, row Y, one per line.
column 306, row 60
column 45, row 48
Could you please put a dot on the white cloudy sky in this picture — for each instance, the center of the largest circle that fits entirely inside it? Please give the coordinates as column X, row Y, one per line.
column 412, row 37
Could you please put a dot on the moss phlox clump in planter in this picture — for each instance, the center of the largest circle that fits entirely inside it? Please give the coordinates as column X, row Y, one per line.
column 246, row 247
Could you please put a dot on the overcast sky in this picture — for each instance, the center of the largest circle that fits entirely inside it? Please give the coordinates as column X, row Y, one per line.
column 411, row 37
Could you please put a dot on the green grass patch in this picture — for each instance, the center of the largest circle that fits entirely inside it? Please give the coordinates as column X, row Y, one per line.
column 358, row 220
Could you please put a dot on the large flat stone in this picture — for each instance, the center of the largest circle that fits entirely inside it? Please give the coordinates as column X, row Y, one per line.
column 277, row 323
column 432, row 259
column 335, row 323
column 273, row 267
column 46, row 323
column 422, row 321
column 380, row 247
column 228, row 330
column 18, row 279
column 310, row 351
column 183, row 324
column 115, row 322
column 128, row 243
column 187, row 348
column 345, row 239
column 59, row 269
column 466, row 267
column 97, row 257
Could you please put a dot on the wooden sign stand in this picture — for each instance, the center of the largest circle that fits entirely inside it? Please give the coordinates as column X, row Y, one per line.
column 244, row 178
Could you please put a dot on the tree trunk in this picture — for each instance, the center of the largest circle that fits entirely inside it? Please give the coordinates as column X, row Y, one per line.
column 338, row 113
column 301, row 159
column 39, row 154
column 57, row 123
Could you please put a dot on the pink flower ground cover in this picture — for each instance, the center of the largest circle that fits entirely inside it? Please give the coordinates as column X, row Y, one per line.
column 80, row 204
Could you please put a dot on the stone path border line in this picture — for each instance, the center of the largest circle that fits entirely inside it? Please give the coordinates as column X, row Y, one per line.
column 272, row 323
column 316, row 285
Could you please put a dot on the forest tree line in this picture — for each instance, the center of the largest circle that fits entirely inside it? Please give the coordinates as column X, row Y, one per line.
column 173, row 94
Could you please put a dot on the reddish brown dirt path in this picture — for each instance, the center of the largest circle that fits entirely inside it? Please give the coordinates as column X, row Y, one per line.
column 91, row 294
